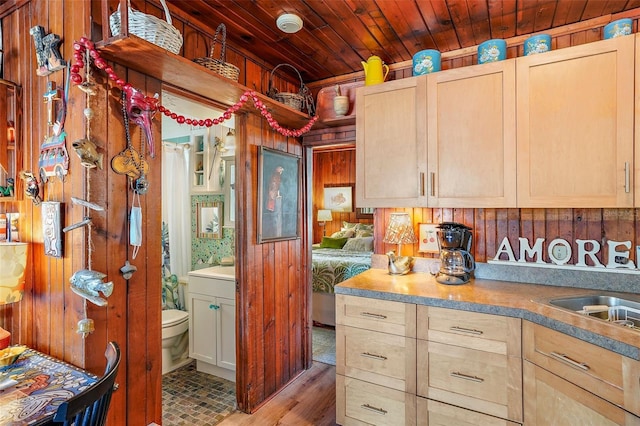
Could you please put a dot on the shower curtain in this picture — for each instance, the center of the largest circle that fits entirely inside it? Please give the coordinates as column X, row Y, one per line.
column 176, row 215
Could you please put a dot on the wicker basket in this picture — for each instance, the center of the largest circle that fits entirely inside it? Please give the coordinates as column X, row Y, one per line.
column 219, row 66
column 149, row 28
column 298, row 101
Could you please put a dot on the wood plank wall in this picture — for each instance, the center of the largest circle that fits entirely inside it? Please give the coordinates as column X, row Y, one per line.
column 333, row 167
column 273, row 329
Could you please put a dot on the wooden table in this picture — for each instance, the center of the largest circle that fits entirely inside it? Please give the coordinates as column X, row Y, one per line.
column 43, row 383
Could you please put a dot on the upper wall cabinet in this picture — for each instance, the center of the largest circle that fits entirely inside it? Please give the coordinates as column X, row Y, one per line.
column 471, row 125
column 575, row 114
column 207, row 167
column 391, row 153
column 10, row 140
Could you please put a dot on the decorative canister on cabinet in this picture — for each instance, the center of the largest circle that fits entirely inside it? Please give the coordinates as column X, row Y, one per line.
column 537, row 44
column 426, row 61
column 618, row 28
column 492, row 50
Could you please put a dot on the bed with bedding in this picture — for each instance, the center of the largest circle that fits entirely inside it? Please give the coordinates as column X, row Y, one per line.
column 338, row 258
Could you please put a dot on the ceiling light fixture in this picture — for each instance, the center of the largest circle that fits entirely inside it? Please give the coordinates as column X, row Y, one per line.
column 289, row 23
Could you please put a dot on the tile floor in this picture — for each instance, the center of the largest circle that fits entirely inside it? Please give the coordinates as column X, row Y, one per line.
column 195, row 399
column 191, row 398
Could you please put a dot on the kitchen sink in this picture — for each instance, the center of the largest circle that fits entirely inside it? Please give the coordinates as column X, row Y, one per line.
column 622, row 310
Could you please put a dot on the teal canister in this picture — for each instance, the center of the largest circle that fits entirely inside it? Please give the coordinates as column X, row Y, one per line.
column 426, row 62
column 492, row 50
column 537, row 44
column 618, row 28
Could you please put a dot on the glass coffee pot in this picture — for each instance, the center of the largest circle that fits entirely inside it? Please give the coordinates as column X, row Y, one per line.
column 456, row 261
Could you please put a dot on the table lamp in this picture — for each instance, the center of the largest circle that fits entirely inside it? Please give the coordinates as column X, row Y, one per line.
column 324, row 216
column 13, row 263
column 399, row 231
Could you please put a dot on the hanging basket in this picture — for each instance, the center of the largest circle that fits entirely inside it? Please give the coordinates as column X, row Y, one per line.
column 219, row 66
column 298, row 101
column 149, row 28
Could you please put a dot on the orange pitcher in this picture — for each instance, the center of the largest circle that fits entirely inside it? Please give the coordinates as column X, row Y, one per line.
column 373, row 71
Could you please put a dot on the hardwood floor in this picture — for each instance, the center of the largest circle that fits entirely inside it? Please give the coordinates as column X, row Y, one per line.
column 308, row 400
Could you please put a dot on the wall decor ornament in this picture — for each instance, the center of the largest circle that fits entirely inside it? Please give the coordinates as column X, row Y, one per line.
column 338, row 198
column 278, row 195
column 51, row 228
column 47, row 51
column 83, row 44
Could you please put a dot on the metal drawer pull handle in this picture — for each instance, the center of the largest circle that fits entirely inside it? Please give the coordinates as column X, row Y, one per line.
column 626, row 176
column 563, row 357
column 466, row 377
column 374, row 356
column 466, row 330
column 422, row 184
column 374, row 409
column 433, row 184
column 369, row 314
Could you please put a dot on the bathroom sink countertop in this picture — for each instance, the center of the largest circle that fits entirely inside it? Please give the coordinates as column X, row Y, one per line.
column 526, row 301
column 224, row 272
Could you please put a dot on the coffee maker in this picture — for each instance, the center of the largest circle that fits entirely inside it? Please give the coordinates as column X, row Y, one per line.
column 456, row 261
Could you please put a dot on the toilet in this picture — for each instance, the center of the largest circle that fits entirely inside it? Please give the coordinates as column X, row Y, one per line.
column 175, row 339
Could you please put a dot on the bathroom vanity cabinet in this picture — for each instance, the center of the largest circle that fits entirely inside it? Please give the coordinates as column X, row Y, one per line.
column 212, row 320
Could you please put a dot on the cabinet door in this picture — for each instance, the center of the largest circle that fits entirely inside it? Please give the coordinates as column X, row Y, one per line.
column 575, row 126
column 434, row 413
column 471, row 124
column 226, row 331
column 551, row 400
column 391, row 157
column 206, row 160
column 203, row 327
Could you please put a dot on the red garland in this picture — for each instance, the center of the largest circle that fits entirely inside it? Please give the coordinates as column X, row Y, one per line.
column 80, row 47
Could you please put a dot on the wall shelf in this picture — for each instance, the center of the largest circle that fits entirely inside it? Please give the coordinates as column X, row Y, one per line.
column 147, row 58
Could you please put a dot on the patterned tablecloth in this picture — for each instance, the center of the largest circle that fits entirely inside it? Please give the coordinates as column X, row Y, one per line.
column 43, row 383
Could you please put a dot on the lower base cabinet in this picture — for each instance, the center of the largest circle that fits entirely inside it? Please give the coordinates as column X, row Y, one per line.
column 434, row 413
column 551, row 400
column 363, row 403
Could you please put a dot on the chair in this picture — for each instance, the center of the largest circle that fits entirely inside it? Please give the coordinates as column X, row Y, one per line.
column 90, row 407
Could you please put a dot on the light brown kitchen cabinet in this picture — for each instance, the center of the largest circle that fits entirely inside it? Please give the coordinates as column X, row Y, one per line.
column 375, row 361
column 435, row 413
column 470, row 360
column 598, row 371
column 471, row 133
column 391, row 150
column 551, row 400
column 575, row 119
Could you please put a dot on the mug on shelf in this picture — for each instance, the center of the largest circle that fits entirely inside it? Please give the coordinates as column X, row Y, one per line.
column 426, row 62
column 492, row 50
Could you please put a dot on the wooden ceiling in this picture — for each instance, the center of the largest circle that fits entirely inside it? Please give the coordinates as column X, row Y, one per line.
column 338, row 34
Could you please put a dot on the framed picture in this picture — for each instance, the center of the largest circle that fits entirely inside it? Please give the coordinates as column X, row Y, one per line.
column 428, row 238
column 210, row 219
column 338, row 198
column 278, row 195
column 51, row 220
column 364, row 213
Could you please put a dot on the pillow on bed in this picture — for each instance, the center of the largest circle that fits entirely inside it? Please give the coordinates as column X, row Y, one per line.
column 347, row 233
column 336, row 243
column 363, row 233
column 365, row 227
column 359, row 244
column 349, row 225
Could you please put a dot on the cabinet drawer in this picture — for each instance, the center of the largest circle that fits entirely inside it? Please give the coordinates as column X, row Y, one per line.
column 434, row 413
column 485, row 332
column 482, row 381
column 381, row 358
column 607, row 374
column 551, row 400
column 374, row 314
column 362, row 403
column 212, row 287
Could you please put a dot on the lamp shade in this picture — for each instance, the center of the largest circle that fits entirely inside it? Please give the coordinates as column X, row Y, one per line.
column 400, row 230
column 324, row 216
column 13, row 263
